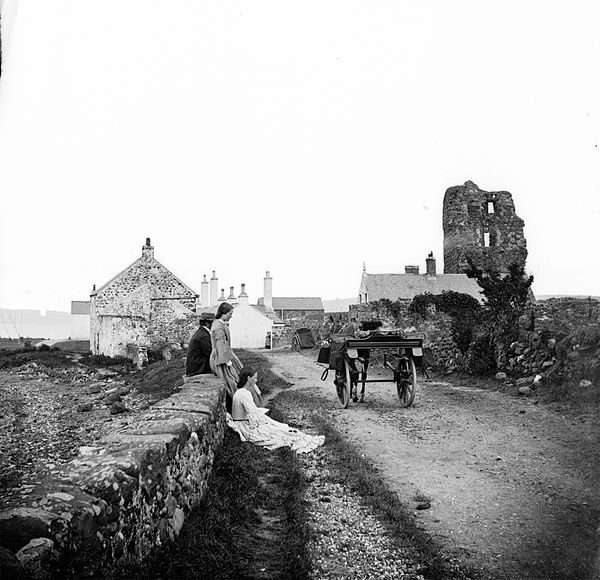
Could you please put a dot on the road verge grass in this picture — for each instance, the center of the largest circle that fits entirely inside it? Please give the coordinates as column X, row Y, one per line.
column 253, row 523
column 359, row 475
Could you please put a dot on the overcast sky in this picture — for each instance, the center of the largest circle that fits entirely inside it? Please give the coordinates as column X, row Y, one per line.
column 301, row 138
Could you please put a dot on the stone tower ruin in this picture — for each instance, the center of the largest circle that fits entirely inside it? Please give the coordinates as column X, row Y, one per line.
column 483, row 226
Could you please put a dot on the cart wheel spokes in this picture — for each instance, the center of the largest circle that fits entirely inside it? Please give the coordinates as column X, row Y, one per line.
column 343, row 385
column 295, row 344
column 406, row 382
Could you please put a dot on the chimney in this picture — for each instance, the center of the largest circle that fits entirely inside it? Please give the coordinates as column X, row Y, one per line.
column 231, row 294
column 268, row 291
column 148, row 250
column 222, row 297
column 414, row 270
column 214, row 288
column 243, row 297
column 431, row 265
column 204, row 293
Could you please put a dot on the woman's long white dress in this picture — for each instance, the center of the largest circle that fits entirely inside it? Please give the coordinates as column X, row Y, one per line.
column 254, row 426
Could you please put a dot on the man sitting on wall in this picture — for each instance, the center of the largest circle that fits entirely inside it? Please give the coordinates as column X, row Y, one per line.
column 199, row 349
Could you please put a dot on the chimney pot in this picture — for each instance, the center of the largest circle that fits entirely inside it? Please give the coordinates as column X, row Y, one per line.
column 268, row 291
column 431, row 268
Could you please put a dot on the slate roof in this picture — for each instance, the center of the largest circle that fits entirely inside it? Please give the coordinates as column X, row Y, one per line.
column 80, row 306
column 407, row 286
column 295, row 303
column 268, row 313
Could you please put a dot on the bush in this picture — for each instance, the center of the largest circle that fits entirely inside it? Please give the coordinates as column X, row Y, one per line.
column 480, row 357
column 463, row 308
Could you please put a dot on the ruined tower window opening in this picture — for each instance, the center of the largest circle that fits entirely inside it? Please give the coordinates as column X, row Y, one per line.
column 486, row 239
column 491, row 207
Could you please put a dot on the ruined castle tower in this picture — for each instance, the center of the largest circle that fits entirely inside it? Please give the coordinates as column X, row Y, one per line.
column 483, row 226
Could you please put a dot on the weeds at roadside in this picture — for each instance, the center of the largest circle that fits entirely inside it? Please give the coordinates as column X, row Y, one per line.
column 361, row 476
column 268, row 380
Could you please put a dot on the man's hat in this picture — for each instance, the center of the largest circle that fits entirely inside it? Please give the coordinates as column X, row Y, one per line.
column 207, row 316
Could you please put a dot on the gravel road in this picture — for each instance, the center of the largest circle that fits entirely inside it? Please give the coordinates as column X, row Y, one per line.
column 514, row 485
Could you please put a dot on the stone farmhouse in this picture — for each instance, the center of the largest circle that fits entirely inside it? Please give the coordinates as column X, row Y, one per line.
column 146, row 306
column 138, row 306
column 410, row 284
column 478, row 225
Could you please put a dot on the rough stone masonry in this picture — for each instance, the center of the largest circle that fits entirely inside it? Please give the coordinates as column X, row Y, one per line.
column 482, row 226
column 129, row 494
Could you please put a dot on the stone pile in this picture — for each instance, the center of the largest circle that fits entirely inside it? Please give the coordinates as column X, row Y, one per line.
column 574, row 357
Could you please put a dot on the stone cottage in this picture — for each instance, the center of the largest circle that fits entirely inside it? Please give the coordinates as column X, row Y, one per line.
column 410, row 284
column 138, row 307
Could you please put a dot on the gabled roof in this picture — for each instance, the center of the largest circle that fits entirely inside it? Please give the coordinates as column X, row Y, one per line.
column 268, row 313
column 407, row 286
column 149, row 262
column 295, row 303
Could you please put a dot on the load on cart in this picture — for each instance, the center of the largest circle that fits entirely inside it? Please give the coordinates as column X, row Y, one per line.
column 349, row 358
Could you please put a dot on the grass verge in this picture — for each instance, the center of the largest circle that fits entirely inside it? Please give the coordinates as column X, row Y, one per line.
column 362, row 477
column 253, row 523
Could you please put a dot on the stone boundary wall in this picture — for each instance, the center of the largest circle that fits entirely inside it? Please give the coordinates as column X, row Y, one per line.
column 437, row 328
column 563, row 340
column 564, row 315
column 119, row 500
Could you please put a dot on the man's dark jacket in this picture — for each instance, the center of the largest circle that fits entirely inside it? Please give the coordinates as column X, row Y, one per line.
column 198, row 354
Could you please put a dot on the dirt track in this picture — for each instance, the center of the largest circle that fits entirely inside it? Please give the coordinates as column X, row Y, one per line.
column 514, row 486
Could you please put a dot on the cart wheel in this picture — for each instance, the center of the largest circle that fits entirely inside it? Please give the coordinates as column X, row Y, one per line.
column 295, row 344
column 407, row 384
column 343, row 384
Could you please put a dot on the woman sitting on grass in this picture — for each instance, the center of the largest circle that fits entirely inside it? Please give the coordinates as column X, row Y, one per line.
column 252, row 424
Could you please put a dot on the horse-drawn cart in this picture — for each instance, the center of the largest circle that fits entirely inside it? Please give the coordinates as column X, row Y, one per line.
column 349, row 357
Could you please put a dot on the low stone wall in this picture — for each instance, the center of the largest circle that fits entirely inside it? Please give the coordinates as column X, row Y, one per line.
column 125, row 496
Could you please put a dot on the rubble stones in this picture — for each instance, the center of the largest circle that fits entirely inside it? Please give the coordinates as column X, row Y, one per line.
column 10, row 566
column 84, row 407
column 118, row 407
column 35, row 557
column 112, row 398
column 524, row 381
column 526, row 391
column 501, row 376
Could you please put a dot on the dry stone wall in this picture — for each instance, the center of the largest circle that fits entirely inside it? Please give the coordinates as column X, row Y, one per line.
column 561, row 340
column 125, row 496
column 436, row 328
